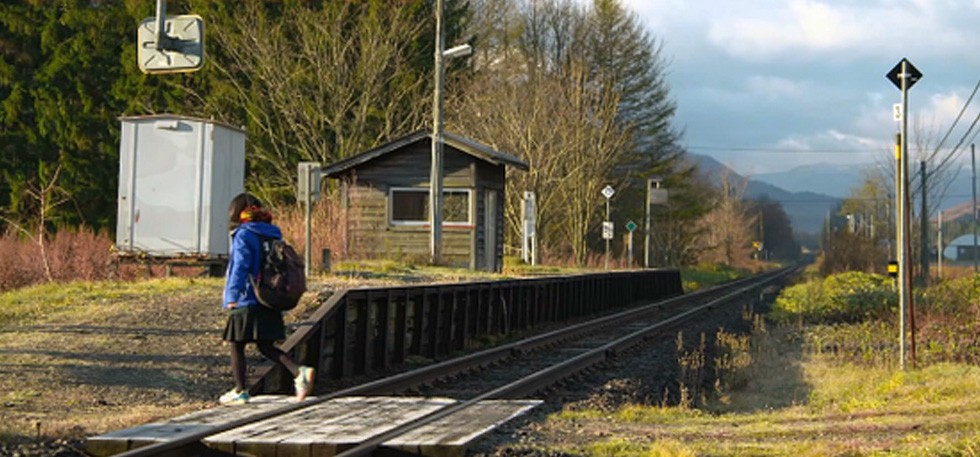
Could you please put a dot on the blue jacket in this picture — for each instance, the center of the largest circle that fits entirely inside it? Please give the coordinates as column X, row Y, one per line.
column 245, row 261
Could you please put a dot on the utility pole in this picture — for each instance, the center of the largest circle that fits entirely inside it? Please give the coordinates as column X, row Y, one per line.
column 939, row 245
column 435, row 173
column 904, row 75
column 924, row 222
column 655, row 196
column 973, row 159
column 646, row 228
column 762, row 235
column 607, row 238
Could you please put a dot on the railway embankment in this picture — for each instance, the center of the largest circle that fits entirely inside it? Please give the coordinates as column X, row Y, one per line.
column 81, row 359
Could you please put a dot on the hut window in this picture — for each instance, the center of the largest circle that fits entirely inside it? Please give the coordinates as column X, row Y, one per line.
column 411, row 206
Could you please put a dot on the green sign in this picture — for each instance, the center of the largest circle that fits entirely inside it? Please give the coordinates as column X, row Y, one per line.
column 631, row 226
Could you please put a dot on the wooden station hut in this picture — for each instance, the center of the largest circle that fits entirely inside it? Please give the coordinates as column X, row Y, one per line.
column 386, row 193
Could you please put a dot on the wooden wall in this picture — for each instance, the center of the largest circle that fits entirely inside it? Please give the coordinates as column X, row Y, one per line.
column 367, row 196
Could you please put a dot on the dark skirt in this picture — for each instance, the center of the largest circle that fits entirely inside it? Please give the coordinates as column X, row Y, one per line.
column 254, row 323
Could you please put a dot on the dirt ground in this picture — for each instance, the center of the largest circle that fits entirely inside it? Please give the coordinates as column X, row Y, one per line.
column 110, row 367
column 77, row 374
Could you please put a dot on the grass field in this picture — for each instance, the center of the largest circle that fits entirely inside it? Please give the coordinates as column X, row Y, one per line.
column 789, row 402
column 88, row 357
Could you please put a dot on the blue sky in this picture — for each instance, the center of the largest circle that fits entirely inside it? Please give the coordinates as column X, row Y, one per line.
column 767, row 85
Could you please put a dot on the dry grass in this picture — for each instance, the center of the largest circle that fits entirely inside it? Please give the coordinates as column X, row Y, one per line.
column 793, row 402
column 88, row 357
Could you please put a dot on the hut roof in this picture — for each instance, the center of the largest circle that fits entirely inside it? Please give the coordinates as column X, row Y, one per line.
column 466, row 145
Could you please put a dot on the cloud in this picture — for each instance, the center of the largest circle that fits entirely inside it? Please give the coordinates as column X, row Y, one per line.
column 774, row 88
column 808, row 76
column 777, row 29
column 802, row 24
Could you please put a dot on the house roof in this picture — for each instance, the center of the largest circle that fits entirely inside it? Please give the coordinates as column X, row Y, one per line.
column 963, row 240
column 466, row 145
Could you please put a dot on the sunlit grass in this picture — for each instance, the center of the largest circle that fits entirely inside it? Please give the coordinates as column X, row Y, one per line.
column 622, row 448
column 41, row 303
column 701, row 276
column 837, row 409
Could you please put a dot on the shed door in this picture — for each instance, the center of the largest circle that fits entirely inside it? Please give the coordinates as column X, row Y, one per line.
column 490, row 231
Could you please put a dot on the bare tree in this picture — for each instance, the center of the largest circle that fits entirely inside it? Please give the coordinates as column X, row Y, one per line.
column 45, row 196
column 728, row 227
column 563, row 126
column 319, row 82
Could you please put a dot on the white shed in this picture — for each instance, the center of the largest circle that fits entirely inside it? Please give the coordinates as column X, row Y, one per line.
column 177, row 175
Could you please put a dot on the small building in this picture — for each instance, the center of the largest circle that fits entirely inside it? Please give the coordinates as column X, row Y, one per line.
column 177, row 175
column 386, row 193
column 961, row 249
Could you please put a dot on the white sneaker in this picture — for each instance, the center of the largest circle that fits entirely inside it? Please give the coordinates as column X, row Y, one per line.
column 234, row 397
column 303, row 382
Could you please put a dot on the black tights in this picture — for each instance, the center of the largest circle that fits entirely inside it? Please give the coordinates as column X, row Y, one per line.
column 268, row 349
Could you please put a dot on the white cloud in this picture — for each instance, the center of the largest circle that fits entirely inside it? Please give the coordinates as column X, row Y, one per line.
column 842, row 30
column 774, row 88
column 944, row 107
column 808, row 75
column 800, row 24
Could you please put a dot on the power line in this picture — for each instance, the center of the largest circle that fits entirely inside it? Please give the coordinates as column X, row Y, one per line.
column 955, row 121
column 952, row 153
column 785, row 151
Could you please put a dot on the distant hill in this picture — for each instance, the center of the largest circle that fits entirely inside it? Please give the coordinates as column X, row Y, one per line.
column 806, row 210
column 839, row 180
column 821, row 178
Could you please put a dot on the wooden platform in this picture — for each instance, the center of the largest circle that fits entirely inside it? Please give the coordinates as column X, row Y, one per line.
column 324, row 429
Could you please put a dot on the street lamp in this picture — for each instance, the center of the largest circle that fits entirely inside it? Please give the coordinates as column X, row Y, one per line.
column 655, row 196
column 435, row 174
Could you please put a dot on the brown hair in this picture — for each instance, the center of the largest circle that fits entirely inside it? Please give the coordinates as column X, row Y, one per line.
column 242, row 202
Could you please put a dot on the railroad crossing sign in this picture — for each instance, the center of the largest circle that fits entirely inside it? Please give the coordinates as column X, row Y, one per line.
column 608, row 192
column 911, row 74
column 631, row 226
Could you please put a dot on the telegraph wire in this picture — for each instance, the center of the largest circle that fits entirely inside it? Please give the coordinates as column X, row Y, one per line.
column 955, row 121
column 783, row 151
column 965, row 135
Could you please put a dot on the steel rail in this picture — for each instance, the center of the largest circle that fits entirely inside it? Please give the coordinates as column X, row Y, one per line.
column 428, row 373
column 548, row 376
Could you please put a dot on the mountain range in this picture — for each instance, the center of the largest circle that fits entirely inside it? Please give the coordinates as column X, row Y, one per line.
column 808, row 192
column 806, row 209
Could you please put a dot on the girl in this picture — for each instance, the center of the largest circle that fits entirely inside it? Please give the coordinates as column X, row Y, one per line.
column 248, row 320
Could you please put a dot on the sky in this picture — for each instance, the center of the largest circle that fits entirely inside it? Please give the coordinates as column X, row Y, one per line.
column 768, row 85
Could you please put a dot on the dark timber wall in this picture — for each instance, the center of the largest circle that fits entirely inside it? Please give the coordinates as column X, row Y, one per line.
column 361, row 331
column 368, row 227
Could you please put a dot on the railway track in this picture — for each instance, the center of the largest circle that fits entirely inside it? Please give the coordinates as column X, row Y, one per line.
column 513, row 370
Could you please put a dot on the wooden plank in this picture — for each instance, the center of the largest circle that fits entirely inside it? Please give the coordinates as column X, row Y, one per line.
column 449, row 436
column 326, row 428
column 262, row 438
column 131, row 438
column 322, row 429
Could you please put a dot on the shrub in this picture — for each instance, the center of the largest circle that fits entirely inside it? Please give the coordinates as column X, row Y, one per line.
column 948, row 322
column 708, row 274
column 844, row 297
column 68, row 255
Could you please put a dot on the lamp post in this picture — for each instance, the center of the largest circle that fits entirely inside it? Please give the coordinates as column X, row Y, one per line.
column 655, row 196
column 435, row 173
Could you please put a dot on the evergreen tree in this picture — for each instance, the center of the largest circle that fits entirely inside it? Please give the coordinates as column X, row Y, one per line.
column 60, row 61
